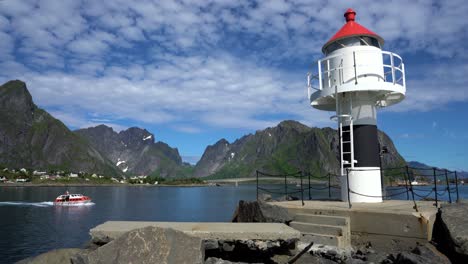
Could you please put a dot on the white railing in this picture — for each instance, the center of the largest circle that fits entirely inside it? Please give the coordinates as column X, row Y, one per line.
column 393, row 70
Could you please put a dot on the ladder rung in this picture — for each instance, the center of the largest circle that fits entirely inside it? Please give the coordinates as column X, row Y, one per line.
column 346, row 131
column 346, row 141
column 346, row 152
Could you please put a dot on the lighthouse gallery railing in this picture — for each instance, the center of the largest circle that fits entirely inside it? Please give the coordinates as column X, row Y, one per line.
column 393, row 70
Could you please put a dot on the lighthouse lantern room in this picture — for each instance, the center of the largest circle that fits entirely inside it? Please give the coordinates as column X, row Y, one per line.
column 356, row 78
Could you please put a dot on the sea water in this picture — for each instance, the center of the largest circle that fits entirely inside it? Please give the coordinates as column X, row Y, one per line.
column 31, row 224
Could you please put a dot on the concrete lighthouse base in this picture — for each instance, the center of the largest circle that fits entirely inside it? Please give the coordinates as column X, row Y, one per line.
column 364, row 185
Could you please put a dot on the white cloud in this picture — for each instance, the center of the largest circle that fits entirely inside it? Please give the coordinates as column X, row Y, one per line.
column 6, row 46
column 216, row 91
column 76, row 121
column 187, row 129
column 4, row 23
column 439, row 85
column 222, row 63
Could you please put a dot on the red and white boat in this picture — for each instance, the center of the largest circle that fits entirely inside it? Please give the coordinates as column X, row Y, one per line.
column 72, row 199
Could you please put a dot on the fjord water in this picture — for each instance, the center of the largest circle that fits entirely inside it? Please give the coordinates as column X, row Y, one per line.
column 30, row 224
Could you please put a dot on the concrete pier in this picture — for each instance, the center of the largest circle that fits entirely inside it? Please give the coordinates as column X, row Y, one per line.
column 110, row 230
column 390, row 220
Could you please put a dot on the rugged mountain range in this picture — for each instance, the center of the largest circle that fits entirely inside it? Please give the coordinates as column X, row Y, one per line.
column 135, row 152
column 32, row 138
column 424, row 170
column 286, row 148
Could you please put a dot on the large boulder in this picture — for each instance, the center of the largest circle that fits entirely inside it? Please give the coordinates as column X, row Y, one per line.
column 451, row 232
column 57, row 256
column 147, row 245
column 422, row 254
column 261, row 212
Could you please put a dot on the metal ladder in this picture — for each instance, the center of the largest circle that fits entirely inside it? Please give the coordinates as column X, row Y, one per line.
column 341, row 118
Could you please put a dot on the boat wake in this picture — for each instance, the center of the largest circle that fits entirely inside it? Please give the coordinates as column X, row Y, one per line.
column 37, row 204
column 43, row 204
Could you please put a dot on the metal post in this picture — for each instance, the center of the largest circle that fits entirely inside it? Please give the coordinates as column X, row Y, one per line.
column 456, row 184
column 355, row 71
column 381, row 172
column 320, row 74
column 406, row 183
column 302, row 190
column 393, row 68
column 403, row 73
column 448, row 186
column 310, row 197
column 257, row 184
column 435, row 187
column 329, row 183
column 285, row 187
column 412, row 195
column 347, row 183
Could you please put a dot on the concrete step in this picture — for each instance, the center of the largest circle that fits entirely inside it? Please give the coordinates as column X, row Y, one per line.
column 318, row 211
column 304, row 227
column 336, row 241
column 322, row 219
column 333, row 235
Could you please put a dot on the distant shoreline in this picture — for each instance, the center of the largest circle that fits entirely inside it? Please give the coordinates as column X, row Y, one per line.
column 98, row 185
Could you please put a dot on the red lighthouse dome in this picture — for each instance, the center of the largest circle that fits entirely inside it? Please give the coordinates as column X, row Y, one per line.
column 351, row 29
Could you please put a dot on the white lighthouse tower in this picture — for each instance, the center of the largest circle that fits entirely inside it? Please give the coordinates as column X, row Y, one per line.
column 356, row 78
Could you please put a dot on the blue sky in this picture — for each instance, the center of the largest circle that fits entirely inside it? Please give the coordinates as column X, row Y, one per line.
column 192, row 72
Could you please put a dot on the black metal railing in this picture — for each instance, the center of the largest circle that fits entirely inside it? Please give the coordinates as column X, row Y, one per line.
column 426, row 177
column 411, row 181
column 294, row 183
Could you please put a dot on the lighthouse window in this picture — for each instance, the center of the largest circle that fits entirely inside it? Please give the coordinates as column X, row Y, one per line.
column 353, row 41
column 368, row 41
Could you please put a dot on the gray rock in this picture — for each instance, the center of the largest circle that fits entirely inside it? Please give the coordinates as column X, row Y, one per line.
column 264, row 197
column 57, row 256
column 410, row 258
column 213, row 260
column 260, row 212
column 147, row 245
column 228, row 247
column 211, row 244
column 450, row 231
column 422, row 254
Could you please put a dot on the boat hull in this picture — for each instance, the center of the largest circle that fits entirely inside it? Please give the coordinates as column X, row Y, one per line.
column 72, row 203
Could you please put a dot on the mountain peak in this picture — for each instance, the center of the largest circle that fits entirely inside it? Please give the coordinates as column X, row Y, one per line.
column 14, row 96
column 136, row 135
column 33, row 138
column 293, row 125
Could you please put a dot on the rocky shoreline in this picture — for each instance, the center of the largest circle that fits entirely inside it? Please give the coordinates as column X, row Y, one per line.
column 165, row 245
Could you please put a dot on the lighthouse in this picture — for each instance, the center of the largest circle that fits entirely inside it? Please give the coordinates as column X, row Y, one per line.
column 354, row 80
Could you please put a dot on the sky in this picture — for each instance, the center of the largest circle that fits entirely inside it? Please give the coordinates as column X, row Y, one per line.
column 193, row 72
